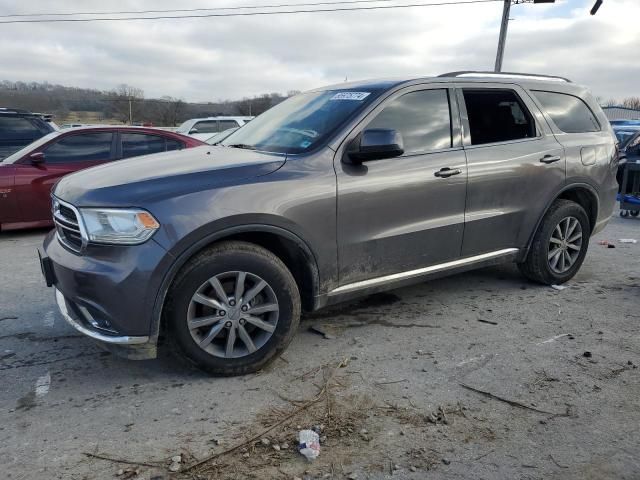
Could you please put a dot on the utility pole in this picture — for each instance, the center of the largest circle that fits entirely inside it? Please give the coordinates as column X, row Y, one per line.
column 503, row 34
column 130, row 112
column 596, row 7
column 505, row 24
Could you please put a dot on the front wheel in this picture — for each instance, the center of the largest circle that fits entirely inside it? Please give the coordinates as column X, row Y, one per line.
column 559, row 245
column 233, row 308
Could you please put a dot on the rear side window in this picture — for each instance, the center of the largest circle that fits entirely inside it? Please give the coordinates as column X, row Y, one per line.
column 174, row 145
column 422, row 118
column 136, row 144
column 227, row 124
column 85, row 147
column 210, row 126
column 569, row 113
column 497, row 116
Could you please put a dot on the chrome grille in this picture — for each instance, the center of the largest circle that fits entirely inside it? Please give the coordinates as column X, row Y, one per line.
column 67, row 226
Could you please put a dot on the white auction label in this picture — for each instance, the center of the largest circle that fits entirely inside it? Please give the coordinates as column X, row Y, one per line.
column 350, row 96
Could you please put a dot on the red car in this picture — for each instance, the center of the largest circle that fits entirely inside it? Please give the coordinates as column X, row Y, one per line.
column 27, row 176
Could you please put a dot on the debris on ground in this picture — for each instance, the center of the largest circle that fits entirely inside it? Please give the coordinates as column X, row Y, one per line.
column 553, row 339
column 309, row 444
column 325, row 330
column 587, row 354
column 606, row 243
column 176, row 463
column 559, row 287
column 628, row 240
column 487, row 321
column 513, row 403
column 440, row 415
column 128, row 473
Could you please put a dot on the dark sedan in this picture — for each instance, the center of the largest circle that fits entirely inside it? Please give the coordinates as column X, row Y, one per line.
column 27, row 176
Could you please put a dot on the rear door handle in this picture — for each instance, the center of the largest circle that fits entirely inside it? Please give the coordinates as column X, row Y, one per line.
column 550, row 159
column 447, row 172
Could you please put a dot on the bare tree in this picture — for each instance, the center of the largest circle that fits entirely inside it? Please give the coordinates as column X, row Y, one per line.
column 632, row 102
column 169, row 111
column 127, row 102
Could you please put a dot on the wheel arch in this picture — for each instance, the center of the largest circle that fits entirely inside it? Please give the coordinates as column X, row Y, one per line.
column 286, row 245
column 581, row 193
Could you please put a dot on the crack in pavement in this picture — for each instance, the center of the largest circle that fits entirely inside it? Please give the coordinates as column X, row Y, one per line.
column 32, row 336
column 34, row 364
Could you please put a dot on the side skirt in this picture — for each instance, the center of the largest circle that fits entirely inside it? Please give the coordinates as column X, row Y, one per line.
column 397, row 280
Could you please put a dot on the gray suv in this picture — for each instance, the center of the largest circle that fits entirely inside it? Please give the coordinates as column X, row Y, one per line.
column 333, row 194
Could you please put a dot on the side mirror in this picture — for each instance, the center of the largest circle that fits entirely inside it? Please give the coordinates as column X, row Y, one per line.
column 37, row 157
column 376, row 144
column 193, row 130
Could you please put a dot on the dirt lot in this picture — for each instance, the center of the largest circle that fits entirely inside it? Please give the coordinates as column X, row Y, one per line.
column 480, row 375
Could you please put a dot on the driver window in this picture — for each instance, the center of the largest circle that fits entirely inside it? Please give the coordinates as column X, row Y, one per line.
column 423, row 119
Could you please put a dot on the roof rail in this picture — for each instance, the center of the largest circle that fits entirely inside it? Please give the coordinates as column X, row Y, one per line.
column 505, row 75
column 15, row 110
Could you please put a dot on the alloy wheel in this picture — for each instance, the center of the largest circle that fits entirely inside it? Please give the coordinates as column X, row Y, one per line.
column 233, row 314
column 565, row 245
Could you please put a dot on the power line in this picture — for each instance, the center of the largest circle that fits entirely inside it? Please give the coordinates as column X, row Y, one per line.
column 186, row 10
column 245, row 14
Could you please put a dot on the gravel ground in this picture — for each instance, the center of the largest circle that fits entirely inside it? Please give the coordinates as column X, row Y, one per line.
column 394, row 384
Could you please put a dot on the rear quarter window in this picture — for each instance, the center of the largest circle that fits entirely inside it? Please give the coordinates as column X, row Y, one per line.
column 570, row 114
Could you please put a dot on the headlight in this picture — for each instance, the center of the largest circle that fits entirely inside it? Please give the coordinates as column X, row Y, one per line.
column 119, row 226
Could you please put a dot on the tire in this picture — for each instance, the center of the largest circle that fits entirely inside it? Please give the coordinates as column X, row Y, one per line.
column 226, row 262
column 539, row 264
column 624, row 213
column 634, row 213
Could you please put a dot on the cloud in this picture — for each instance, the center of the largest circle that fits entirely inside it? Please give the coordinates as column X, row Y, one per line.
column 220, row 58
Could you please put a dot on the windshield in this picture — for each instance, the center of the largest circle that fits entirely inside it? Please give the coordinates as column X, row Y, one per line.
column 300, row 123
column 31, row 147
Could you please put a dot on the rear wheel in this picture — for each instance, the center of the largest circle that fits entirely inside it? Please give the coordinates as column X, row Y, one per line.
column 233, row 308
column 559, row 245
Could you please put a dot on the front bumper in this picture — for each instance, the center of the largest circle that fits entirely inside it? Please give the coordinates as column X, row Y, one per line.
column 109, row 293
column 86, row 325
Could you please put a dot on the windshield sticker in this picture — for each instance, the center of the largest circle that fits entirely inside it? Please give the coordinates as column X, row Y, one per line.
column 358, row 96
column 305, row 144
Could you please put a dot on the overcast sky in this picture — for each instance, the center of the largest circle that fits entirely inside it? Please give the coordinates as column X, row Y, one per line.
column 227, row 58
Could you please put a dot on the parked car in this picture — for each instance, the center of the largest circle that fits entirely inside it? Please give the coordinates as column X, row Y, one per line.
column 19, row 128
column 628, row 136
column 333, row 194
column 26, row 177
column 626, row 133
column 624, row 122
column 204, row 128
column 218, row 137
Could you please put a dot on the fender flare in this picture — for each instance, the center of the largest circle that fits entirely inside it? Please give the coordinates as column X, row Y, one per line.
column 565, row 188
column 184, row 257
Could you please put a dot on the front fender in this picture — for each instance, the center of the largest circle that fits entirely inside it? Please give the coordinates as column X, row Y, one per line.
column 210, row 234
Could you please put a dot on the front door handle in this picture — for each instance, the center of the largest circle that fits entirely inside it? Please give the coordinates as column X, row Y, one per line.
column 447, row 172
column 550, row 158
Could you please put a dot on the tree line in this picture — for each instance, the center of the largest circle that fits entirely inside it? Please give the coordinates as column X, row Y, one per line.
column 629, row 102
column 123, row 104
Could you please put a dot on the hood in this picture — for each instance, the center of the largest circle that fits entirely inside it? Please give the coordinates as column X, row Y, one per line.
column 137, row 180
